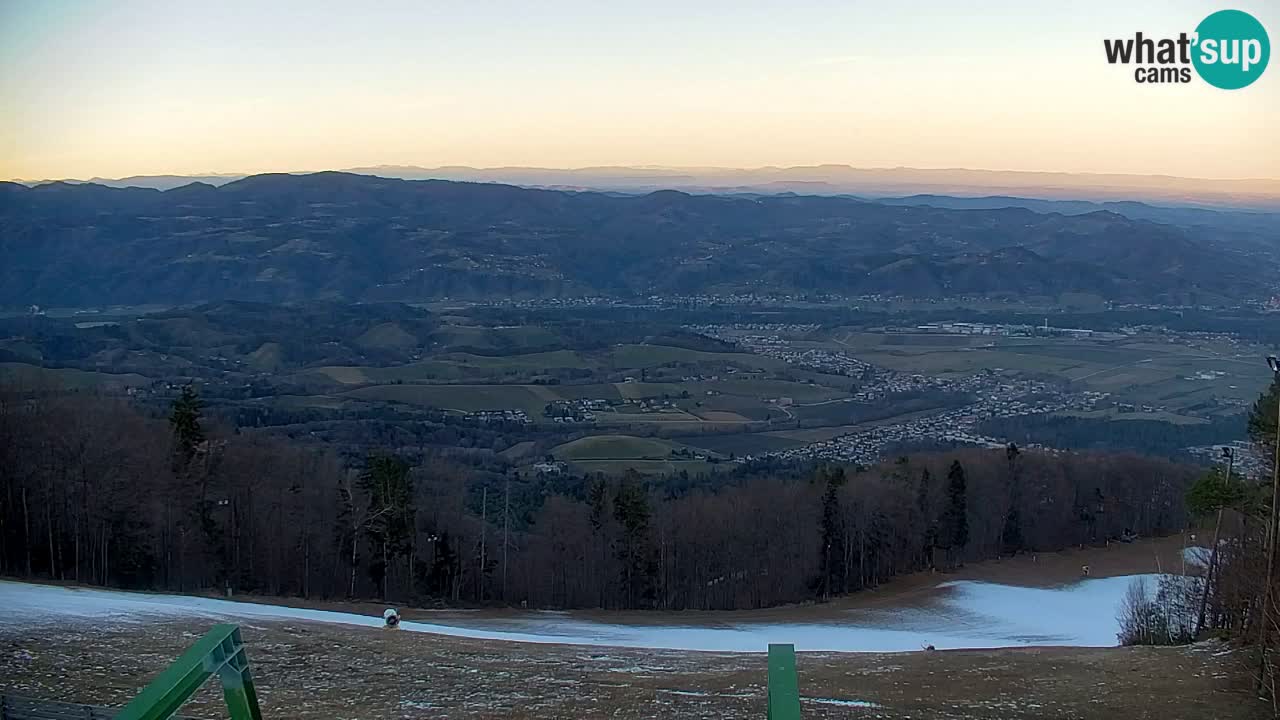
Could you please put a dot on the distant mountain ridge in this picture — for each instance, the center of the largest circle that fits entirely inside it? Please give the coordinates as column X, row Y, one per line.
column 1256, row 194
column 340, row 236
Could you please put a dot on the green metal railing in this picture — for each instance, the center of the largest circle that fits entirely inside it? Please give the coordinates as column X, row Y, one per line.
column 784, row 691
column 220, row 652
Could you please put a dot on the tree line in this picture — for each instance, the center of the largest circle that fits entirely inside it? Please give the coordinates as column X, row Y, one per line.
column 97, row 491
column 1153, row 437
column 1237, row 593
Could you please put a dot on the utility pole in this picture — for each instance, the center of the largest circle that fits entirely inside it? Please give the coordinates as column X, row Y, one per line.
column 506, row 522
column 1230, row 454
column 484, row 531
column 1264, row 618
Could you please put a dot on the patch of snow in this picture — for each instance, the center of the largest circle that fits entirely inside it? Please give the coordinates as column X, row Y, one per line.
column 1197, row 556
column 845, row 703
column 966, row 615
column 700, row 693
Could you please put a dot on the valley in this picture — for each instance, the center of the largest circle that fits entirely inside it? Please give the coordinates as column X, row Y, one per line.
column 701, row 391
column 897, row 361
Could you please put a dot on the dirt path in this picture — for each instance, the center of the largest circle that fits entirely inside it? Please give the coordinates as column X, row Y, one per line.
column 316, row 671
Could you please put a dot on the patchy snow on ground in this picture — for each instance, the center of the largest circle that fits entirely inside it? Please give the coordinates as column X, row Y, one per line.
column 1196, row 556
column 965, row 614
column 843, row 703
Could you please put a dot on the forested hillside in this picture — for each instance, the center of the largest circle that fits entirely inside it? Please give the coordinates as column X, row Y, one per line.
column 97, row 492
column 337, row 236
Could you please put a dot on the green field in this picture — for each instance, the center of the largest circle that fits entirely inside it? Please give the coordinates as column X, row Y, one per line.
column 799, row 392
column 34, row 376
column 593, row 391
column 637, row 390
column 268, row 357
column 426, row 371
column 627, row 357
column 669, row 419
column 470, row 367
column 713, row 410
column 468, row 382
column 741, row 443
column 452, row 367
column 495, row 338
column 1138, row 370
column 387, row 336
column 965, row 361
column 746, row 402
column 617, row 447
column 1081, row 351
column 931, row 340
column 819, row 434
column 311, row 401
column 651, row 467
column 539, row 361
column 462, row 398
column 614, row 454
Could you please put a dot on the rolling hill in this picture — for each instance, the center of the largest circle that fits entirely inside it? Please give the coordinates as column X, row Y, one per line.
column 345, row 237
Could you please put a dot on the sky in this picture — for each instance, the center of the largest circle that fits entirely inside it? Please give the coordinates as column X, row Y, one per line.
column 112, row 89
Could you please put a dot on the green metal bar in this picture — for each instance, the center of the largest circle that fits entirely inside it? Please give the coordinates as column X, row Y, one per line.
column 237, row 684
column 784, row 691
column 219, row 652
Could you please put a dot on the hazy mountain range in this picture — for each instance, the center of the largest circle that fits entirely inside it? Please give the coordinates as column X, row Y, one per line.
column 1255, row 194
column 337, row 236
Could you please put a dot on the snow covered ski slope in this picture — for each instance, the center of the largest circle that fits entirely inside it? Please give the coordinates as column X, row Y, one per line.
column 964, row 614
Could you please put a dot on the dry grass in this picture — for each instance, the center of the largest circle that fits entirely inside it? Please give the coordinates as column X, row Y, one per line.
column 319, row 671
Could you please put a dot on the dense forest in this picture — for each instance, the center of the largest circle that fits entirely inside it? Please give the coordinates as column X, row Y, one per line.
column 96, row 491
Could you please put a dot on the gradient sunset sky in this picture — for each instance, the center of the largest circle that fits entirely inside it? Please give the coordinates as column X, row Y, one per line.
column 122, row 88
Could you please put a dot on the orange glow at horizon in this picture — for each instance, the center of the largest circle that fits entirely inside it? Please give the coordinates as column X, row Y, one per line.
column 184, row 88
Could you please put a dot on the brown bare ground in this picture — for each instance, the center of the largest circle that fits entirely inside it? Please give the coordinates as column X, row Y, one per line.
column 313, row 671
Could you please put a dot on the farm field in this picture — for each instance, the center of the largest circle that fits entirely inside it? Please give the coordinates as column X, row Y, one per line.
column 635, row 356
column 740, row 393
column 649, row 467
column 1102, row 364
column 23, row 374
column 604, row 447
column 496, row 338
column 745, row 403
column 722, row 402
column 1137, row 371
column 826, row 433
column 457, row 366
column 672, row 420
column 461, row 398
column 741, row 443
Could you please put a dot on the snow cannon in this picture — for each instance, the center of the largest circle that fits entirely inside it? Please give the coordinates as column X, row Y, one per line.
column 391, row 617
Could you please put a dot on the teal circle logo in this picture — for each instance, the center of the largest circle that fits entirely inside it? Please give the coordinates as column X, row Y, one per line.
column 1232, row 49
